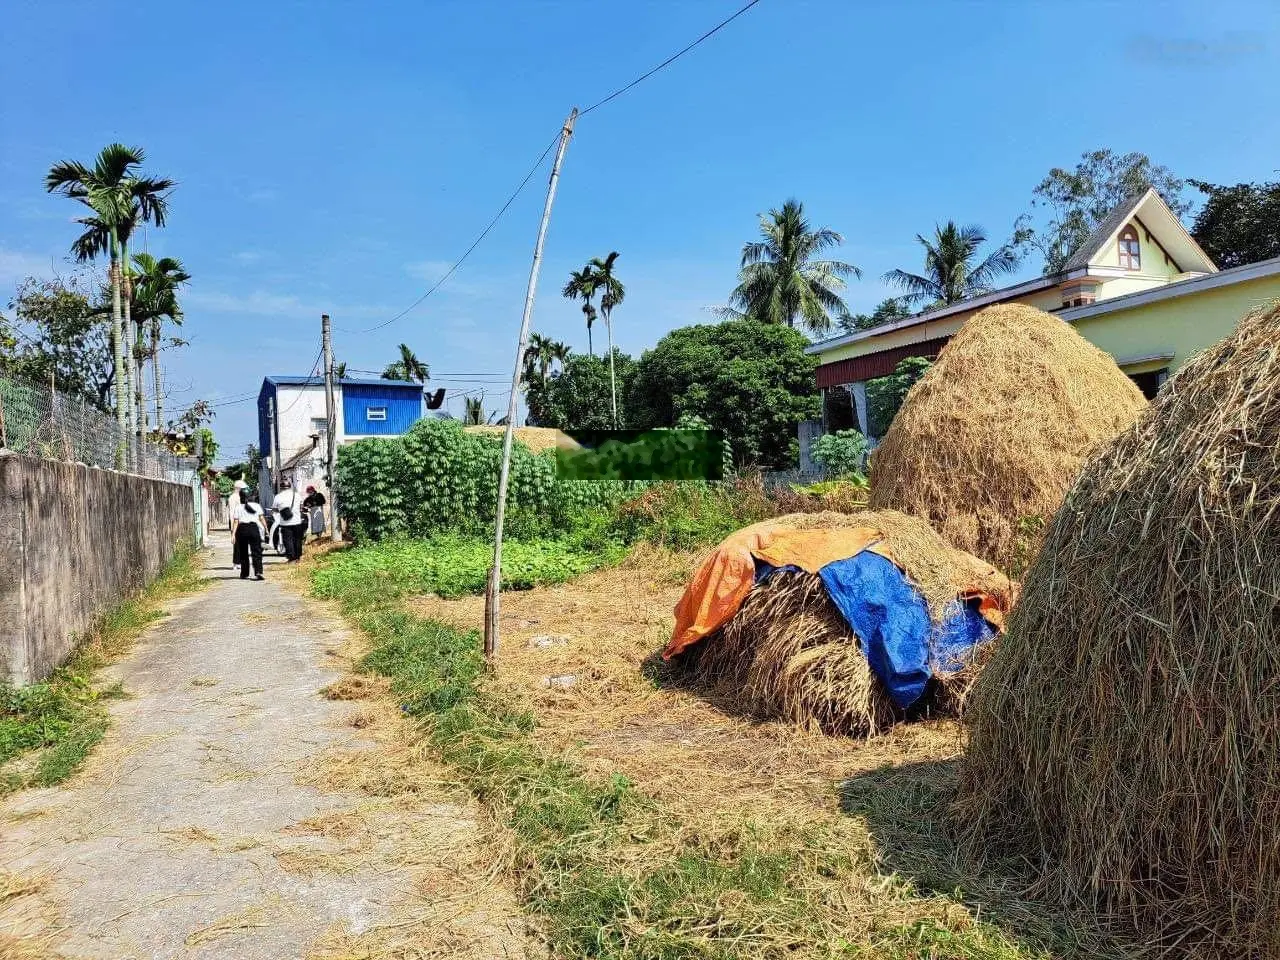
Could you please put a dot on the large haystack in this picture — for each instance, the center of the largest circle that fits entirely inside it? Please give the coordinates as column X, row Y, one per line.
column 990, row 439
column 1126, row 733
column 789, row 653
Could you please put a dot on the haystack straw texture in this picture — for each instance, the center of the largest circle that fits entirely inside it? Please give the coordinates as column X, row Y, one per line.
column 536, row 439
column 990, row 439
column 1126, row 734
column 789, row 654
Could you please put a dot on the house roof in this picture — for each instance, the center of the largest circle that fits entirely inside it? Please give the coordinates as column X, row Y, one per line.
column 1221, row 278
column 995, row 296
column 317, row 380
column 1149, row 208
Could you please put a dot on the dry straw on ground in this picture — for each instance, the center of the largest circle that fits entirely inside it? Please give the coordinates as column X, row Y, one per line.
column 789, row 653
column 991, row 438
column 1126, row 734
column 536, row 439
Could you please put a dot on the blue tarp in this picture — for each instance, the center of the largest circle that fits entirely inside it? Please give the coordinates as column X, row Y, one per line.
column 903, row 646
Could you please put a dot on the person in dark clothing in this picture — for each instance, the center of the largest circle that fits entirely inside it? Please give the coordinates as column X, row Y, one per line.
column 311, row 506
column 247, row 529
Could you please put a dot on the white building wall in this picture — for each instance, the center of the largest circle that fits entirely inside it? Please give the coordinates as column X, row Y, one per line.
column 302, row 413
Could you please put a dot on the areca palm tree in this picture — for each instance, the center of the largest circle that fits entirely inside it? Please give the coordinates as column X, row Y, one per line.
column 408, row 367
column 782, row 279
column 155, row 299
column 559, row 353
column 582, row 286
column 118, row 199
column 537, row 357
column 949, row 271
column 612, row 292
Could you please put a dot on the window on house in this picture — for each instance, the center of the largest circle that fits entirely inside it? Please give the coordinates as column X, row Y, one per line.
column 1130, row 254
column 376, row 413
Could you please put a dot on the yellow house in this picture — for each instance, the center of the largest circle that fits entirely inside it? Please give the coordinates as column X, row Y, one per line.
column 1140, row 288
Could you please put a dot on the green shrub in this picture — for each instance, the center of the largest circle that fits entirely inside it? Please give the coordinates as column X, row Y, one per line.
column 841, row 453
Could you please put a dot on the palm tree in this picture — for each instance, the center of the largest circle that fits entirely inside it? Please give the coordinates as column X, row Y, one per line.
column 473, row 413
column 118, row 199
column 950, row 275
column 155, row 299
column 782, row 281
column 559, row 353
column 613, row 292
column 408, row 367
column 582, row 286
column 537, row 357
column 340, row 370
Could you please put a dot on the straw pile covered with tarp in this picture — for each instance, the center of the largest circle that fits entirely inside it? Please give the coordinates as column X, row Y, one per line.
column 1126, row 733
column 846, row 623
column 989, row 440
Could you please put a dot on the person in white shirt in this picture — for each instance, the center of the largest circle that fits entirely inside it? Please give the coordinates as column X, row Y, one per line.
column 288, row 505
column 247, row 527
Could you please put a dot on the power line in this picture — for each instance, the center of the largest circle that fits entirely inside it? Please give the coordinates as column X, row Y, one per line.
column 670, row 60
column 534, row 169
column 475, row 243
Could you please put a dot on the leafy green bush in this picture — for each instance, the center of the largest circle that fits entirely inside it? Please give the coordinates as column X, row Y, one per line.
column 438, row 477
column 841, row 453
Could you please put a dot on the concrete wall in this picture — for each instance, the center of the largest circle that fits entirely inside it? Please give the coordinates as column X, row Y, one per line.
column 74, row 540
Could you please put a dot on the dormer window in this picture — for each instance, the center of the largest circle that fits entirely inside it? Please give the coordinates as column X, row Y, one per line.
column 1130, row 253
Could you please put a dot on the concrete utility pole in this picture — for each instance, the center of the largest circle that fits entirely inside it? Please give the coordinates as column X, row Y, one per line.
column 275, row 445
column 331, row 416
column 491, row 600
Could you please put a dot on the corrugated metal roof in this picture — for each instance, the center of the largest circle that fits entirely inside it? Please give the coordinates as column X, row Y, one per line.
column 286, row 380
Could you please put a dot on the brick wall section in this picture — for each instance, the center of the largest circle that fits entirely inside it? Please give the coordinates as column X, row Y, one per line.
column 74, row 540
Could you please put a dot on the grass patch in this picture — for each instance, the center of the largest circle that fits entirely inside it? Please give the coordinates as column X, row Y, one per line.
column 47, row 729
column 608, row 871
column 453, row 566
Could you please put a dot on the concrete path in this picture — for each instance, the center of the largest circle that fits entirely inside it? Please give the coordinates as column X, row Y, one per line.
column 234, row 811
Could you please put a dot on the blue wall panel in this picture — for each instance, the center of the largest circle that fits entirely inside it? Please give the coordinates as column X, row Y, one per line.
column 403, row 405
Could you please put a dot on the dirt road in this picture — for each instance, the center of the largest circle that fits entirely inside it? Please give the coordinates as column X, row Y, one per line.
column 234, row 811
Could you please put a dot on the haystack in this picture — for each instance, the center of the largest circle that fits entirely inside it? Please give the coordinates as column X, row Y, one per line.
column 1126, row 733
column 536, row 439
column 992, row 436
column 790, row 653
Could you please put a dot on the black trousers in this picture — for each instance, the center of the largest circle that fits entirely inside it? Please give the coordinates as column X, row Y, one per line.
column 293, row 534
column 249, row 547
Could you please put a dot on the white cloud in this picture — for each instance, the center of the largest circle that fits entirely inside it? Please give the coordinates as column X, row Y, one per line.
column 247, row 256
column 280, row 305
column 16, row 266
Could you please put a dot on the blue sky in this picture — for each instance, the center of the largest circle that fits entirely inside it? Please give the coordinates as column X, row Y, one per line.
column 337, row 157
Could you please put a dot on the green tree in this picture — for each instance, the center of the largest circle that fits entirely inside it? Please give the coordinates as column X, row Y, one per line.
column 58, row 333
column 578, row 397
column 782, row 280
column 155, row 299
column 751, row 381
column 1239, row 224
column 538, row 356
column 1072, row 203
column 611, row 294
column 582, row 286
column 885, row 394
column 253, row 459
column 408, row 367
column 118, row 199
column 950, row 273
column 886, row 311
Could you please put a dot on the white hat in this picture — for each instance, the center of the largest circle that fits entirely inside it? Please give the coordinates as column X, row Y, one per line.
column 239, row 485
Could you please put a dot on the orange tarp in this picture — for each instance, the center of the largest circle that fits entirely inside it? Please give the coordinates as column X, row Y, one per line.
column 722, row 582
column 725, row 578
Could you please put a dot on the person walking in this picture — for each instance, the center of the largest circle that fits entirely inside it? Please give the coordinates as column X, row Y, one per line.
column 233, row 504
column 288, row 505
column 246, row 529
column 313, row 507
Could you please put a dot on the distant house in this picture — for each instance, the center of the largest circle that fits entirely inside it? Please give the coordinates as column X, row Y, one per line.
column 292, row 421
column 1139, row 288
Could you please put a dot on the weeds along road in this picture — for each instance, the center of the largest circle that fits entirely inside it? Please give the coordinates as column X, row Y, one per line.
column 236, row 811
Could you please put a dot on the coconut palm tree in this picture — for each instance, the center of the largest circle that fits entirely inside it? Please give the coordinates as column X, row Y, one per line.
column 118, row 198
column 155, row 299
column 612, row 292
column 783, row 281
column 538, row 355
column 949, row 272
column 473, row 413
column 340, row 370
column 408, row 367
column 582, row 286
column 560, row 353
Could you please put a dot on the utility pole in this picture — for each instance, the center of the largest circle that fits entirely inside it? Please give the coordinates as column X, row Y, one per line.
column 275, row 445
column 331, row 418
column 492, row 593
